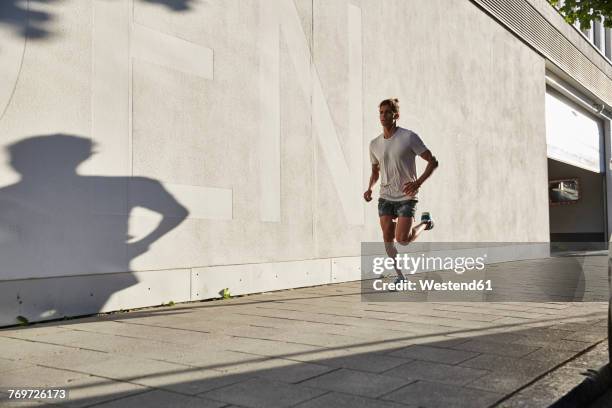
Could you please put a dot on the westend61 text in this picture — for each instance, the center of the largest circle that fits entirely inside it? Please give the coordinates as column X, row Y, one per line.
column 431, row 285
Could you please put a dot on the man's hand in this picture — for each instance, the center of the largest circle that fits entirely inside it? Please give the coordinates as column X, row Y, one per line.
column 367, row 195
column 137, row 248
column 411, row 188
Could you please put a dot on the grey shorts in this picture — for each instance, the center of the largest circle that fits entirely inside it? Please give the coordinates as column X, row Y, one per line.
column 406, row 208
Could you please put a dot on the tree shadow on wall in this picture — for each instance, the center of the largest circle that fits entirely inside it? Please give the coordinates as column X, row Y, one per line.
column 57, row 223
column 24, row 17
column 29, row 18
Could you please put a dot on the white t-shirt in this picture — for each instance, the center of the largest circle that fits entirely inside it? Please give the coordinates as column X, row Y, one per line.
column 396, row 158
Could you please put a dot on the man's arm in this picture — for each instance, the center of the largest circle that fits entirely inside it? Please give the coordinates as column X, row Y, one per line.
column 412, row 187
column 373, row 179
column 150, row 194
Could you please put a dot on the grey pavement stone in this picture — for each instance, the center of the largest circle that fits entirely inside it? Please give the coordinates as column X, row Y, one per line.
column 171, row 353
column 259, row 393
column 510, row 350
column 320, row 356
column 300, row 315
column 463, row 315
column 512, row 321
column 356, row 383
column 555, row 342
column 145, row 331
column 410, row 328
column 498, row 363
column 162, row 399
column 39, row 377
column 441, row 341
column 83, row 389
column 570, row 345
column 311, row 338
column 94, row 341
column 379, row 347
column 270, row 348
column 437, row 372
column 519, row 312
column 362, row 333
column 8, row 365
column 435, row 354
column 502, row 338
column 502, row 382
column 434, row 395
column 71, row 359
column 17, row 349
column 579, row 327
column 31, row 333
column 588, row 337
column 218, row 359
column 550, row 355
column 191, row 381
column 371, row 362
column 279, row 369
column 136, row 370
column 338, row 400
column 416, row 319
column 544, row 333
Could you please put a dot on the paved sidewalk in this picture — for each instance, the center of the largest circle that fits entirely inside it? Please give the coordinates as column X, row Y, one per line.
column 311, row 347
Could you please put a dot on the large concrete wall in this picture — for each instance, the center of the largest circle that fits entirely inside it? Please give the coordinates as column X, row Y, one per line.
column 232, row 135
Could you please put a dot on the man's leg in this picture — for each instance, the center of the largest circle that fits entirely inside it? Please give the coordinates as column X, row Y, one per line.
column 388, row 230
column 405, row 233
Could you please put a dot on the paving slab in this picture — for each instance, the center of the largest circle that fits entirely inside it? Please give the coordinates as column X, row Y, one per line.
column 357, row 382
column 146, row 331
column 32, row 333
column 190, row 381
column 437, row 372
column 433, row 395
column 550, row 355
column 260, row 393
column 500, row 363
column 83, row 389
column 435, row 354
column 508, row 349
column 161, row 399
column 279, row 369
column 9, row 365
column 370, row 362
column 339, row 400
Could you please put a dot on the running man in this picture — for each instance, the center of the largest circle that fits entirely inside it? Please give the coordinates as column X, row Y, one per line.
column 393, row 154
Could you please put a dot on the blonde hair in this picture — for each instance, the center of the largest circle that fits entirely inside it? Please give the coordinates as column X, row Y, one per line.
column 393, row 103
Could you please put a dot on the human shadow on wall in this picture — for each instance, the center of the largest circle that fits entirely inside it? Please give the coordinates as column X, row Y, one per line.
column 27, row 19
column 55, row 222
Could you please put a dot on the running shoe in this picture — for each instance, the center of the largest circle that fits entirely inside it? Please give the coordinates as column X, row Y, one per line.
column 426, row 218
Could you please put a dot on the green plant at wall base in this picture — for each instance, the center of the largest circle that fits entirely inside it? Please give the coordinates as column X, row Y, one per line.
column 23, row 321
column 226, row 293
column 585, row 11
